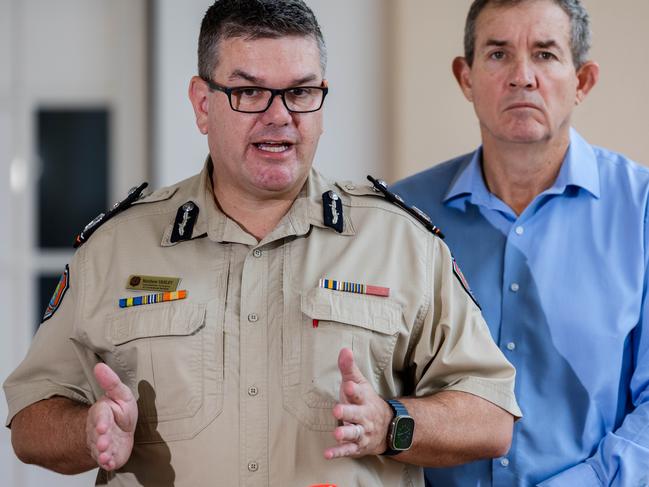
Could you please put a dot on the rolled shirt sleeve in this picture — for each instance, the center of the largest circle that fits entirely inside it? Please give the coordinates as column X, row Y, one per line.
column 454, row 350
column 52, row 366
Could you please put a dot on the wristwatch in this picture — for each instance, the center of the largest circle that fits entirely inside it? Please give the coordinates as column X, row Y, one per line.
column 401, row 429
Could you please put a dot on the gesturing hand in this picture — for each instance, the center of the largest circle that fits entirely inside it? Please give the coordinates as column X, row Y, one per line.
column 111, row 421
column 365, row 415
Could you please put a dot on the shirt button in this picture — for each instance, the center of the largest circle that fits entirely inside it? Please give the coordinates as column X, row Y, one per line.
column 504, row 462
column 511, row 346
column 256, row 253
column 253, row 391
column 253, row 467
column 252, row 317
column 514, row 287
column 350, row 187
column 520, row 230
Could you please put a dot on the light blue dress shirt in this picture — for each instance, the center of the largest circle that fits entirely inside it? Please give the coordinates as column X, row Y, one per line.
column 563, row 288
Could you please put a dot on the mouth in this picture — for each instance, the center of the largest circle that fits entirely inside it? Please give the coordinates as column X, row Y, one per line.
column 273, row 147
column 517, row 106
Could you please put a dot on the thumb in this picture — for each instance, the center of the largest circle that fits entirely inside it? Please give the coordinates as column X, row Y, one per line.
column 110, row 382
column 347, row 366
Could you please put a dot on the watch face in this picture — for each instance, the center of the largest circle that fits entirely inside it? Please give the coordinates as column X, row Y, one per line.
column 403, row 432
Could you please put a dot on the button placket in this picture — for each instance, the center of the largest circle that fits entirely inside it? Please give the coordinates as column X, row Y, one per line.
column 255, row 283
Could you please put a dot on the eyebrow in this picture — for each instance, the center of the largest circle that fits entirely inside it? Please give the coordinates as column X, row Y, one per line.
column 496, row 43
column 240, row 74
column 550, row 43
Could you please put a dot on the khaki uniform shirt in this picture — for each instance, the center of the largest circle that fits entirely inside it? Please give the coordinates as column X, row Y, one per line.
column 236, row 383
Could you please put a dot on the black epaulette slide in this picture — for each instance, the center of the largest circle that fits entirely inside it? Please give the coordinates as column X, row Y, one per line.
column 133, row 195
column 382, row 186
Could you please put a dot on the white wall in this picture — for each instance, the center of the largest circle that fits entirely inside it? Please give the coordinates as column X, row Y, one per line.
column 7, row 362
column 57, row 54
column 354, row 142
column 178, row 148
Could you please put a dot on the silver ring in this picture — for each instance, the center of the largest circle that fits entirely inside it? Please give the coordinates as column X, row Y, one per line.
column 359, row 432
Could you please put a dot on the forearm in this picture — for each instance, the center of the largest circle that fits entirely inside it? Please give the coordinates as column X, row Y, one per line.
column 52, row 434
column 454, row 428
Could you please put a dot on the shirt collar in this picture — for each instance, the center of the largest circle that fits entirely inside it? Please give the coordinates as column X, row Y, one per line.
column 211, row 221
column 307, row 209
column 579, row 169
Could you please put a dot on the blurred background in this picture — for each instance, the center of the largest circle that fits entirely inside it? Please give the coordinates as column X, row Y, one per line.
column 93, row 101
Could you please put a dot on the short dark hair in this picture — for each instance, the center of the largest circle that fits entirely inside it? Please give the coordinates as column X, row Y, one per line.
column 254, row 19
column 579, row 21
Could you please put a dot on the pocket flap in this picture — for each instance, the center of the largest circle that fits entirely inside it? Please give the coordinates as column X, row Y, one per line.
column 171, row 319
column 370, row 312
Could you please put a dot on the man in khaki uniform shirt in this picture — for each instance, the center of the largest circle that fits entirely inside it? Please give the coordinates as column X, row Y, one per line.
column 261, row 373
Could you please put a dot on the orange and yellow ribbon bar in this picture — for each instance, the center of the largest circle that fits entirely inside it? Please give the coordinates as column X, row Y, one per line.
column 152, row 298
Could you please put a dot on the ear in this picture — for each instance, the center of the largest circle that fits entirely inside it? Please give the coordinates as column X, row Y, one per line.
column 462, row 73
column 587, row 77
column 198, row 91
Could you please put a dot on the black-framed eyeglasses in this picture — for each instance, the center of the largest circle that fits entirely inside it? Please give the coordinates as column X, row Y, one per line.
column 256, row 99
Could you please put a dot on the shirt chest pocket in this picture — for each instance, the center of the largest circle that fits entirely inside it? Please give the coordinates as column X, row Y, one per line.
column 172, row 356
column 332, row 320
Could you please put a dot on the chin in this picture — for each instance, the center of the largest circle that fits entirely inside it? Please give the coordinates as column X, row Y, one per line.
column 277, row 181
column 526, row 135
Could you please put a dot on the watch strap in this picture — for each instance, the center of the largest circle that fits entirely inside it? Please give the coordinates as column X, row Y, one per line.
column 397, row 407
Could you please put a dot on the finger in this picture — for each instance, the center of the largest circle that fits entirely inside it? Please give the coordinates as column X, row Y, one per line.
column 353, row 392
column 110, row 382
column 102, row 417
column 349, row 413
column 344, row 450
column 106, row 461
column 350, row 433
column 102, row 443
column 348, row 368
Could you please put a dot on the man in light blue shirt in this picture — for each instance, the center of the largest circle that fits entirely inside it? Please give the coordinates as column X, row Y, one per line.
column 552, row 234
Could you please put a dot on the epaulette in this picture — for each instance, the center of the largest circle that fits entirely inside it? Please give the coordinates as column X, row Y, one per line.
column 133, row 195
column 382, row 187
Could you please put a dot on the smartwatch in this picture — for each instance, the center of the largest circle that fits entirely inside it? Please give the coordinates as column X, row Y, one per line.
column 401, row 429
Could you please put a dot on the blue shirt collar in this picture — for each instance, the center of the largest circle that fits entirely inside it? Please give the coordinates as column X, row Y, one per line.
column 579, row 169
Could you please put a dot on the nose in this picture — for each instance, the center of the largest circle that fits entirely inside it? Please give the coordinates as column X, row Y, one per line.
column 522, row 75
column 277, row 113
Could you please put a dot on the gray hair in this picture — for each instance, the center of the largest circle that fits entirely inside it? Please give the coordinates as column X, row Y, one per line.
column 254, row 19
column 580, row 37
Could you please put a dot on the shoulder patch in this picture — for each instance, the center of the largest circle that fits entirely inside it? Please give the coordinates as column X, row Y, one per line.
column 59, row 293
column 464, row 283
column 133, row 195
column 423, row 218
column 358, row 189
column 161, row 194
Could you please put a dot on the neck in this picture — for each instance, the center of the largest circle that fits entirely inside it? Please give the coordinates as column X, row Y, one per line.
column 257, row 216
column 518, row 173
